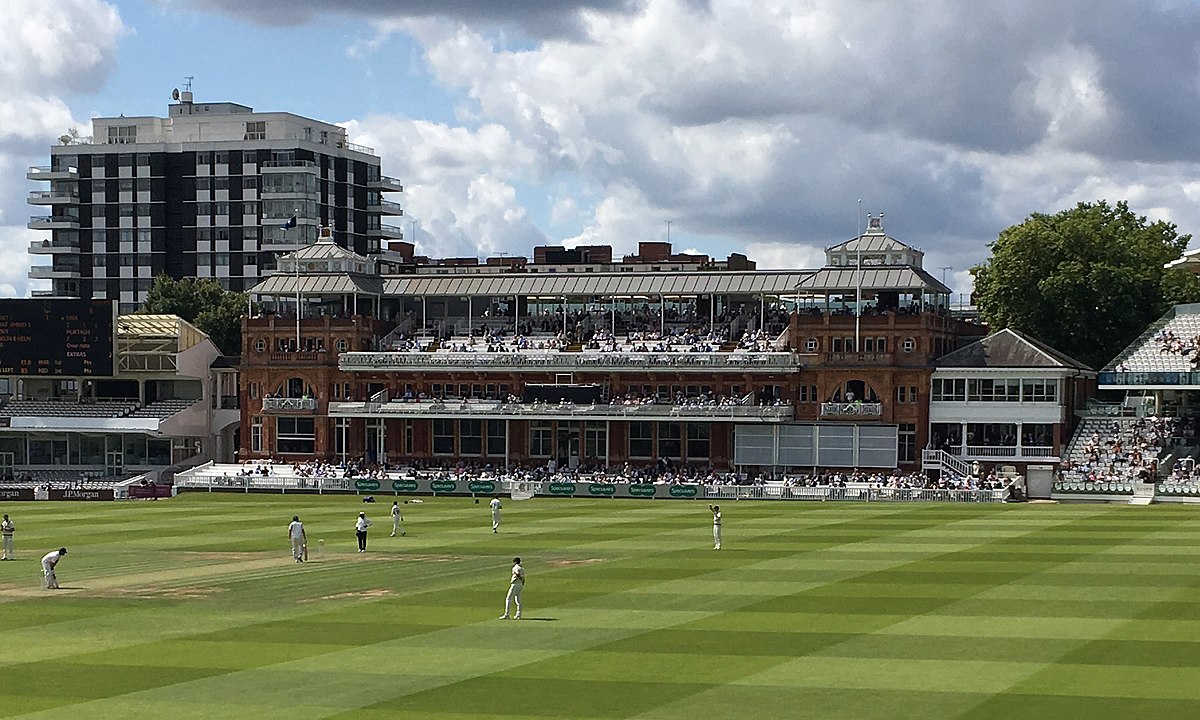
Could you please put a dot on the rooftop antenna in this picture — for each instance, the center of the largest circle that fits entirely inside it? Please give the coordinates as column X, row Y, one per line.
column 186, row 95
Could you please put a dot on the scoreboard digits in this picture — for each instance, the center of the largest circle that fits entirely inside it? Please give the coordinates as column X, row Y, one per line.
column 56, row 337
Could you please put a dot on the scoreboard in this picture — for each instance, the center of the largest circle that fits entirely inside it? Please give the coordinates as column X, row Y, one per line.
column 56, row 337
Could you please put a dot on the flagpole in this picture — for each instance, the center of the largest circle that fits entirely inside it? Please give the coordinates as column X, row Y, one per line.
column 858, row 282
column 296, row 268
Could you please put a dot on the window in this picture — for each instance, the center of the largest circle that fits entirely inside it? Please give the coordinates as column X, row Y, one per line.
column 1040, row 435
column 256, row 130
column 341, row 430
column 909, row 345
column 669, row 440
column 641, row 439
column 443, row 436
column 697, row 440
column 497, row 438
column 1043, row 390
column 122, row 134
column 595, row 440
column 540, row 438
column 912, row 393
column 341, row 344
column 295, row 435
column 907, row 443
column 256, row 434
column 949, row 390
column 470, row 437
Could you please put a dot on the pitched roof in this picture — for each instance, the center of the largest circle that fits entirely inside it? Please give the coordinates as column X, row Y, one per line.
column 324, row 284
column 645, row 284
column 1008, row 348
column 326, row 249
column 870, row 242
column 878, row 277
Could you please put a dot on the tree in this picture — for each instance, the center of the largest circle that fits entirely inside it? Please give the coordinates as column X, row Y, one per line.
column 202, row 302
column 1086, row 281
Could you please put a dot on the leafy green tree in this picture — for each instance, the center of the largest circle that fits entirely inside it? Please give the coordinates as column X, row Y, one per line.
column 1086, row 281
column 202, row 302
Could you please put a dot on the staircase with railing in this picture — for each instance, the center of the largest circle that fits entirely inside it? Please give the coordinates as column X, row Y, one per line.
column 941, row 461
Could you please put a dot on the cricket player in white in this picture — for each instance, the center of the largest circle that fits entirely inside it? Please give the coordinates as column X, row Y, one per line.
column 7, row 529
column 716, row 511
column 396, row 519
column 495, row 505
column 49, row 562
column 298, row 537
column 515, row 586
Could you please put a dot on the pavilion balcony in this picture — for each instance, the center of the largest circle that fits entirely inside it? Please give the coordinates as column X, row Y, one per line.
column 851, row 409
column 569, row 362
column 881, row 359
column 495, row 409
column 289, row 405
column 1003, row 452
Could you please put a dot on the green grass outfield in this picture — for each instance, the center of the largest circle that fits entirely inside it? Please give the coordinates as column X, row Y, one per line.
column 193, row 608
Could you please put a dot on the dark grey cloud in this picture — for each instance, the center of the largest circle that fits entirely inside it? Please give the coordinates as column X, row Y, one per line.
column 967, row 74
column 538, row 18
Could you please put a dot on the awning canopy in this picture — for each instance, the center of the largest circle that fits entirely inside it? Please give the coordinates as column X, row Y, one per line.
column 897, row 278
column 676, row 284
column 319, row 285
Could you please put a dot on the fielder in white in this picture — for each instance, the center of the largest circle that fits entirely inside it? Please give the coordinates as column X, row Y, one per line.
column 495, row 506
column 515, row 586
column 298, row 537
column 7, row 529
column 396, row 519
column 716, row 511
column 49, row 563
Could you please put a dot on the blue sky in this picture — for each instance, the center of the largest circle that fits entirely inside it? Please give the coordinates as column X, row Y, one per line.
column 752, row 125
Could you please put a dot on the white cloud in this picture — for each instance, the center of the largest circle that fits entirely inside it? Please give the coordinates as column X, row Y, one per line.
column 52, row 50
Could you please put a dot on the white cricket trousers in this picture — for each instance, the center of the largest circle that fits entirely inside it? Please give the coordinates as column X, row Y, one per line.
column 514, row 597
column 716, row 537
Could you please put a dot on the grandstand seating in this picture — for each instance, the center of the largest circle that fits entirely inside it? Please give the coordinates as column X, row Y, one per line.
column 60, row 408
column 85, row 479
column 162, row 408
column 1111, row 454
column 1150, row 353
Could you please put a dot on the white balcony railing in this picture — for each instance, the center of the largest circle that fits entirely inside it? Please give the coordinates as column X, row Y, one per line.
column 853, row 409
column 674, row 362
column 274, row 404
column 597, row 411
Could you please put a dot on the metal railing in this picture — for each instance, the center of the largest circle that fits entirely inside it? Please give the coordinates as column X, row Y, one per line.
column 765, row 413
column 687, row 362
column 857, row 409
column 939, row 459
column 288, row 164
column 273, row 404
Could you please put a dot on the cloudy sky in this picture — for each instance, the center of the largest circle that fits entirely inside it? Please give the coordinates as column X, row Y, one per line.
column 753, row 126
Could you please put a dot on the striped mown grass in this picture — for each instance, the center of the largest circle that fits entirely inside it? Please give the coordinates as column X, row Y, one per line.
column 193, row 608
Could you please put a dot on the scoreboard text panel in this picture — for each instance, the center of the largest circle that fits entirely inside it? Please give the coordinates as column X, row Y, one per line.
column 56, row 337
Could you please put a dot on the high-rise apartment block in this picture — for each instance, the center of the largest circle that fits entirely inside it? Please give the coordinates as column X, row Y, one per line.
column 208, row 191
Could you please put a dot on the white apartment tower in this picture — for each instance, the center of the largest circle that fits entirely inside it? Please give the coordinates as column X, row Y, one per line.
column 207, row 191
